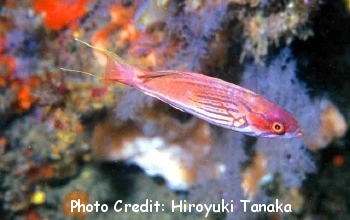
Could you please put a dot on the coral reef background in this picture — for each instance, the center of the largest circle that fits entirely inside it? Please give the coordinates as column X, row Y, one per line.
column 67, row 136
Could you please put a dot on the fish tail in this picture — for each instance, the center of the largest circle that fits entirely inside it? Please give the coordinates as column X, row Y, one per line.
column 116, row 69
column 79, row 71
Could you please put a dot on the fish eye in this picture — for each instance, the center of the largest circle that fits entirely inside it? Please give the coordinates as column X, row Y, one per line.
column 278, row 128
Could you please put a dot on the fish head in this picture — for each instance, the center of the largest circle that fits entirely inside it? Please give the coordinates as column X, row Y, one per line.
column 272, row 121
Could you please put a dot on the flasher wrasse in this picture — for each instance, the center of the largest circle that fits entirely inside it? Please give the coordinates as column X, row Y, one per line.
column 213, row 100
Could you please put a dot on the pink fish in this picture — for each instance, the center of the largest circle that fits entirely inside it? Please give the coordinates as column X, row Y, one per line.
column 213, row 100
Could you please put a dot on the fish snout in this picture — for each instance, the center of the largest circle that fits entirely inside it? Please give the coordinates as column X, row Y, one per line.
column 298, row 132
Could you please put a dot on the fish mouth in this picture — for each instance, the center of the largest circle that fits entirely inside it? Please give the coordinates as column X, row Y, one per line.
column 298, row 132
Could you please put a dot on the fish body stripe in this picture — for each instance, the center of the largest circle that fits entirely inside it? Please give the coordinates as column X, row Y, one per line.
column 217, row 99
column 208, row 82
column 217, row 108
column 209, row 85
column 210, row 104
column 232, row 110
column 213, row 106
column 212, row 84
column 215, row 120
column 214, row 112
column 246, row 107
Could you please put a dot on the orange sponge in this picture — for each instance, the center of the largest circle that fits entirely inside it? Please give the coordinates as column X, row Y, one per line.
column 59, row 13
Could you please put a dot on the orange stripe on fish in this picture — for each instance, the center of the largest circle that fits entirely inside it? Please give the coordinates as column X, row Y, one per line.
column 211, row 99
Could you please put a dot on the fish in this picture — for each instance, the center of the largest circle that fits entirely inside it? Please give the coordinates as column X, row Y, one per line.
column 216, row 101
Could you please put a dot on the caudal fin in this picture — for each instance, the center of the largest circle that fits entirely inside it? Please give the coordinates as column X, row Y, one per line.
column 116, row 69
column 79, row 71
